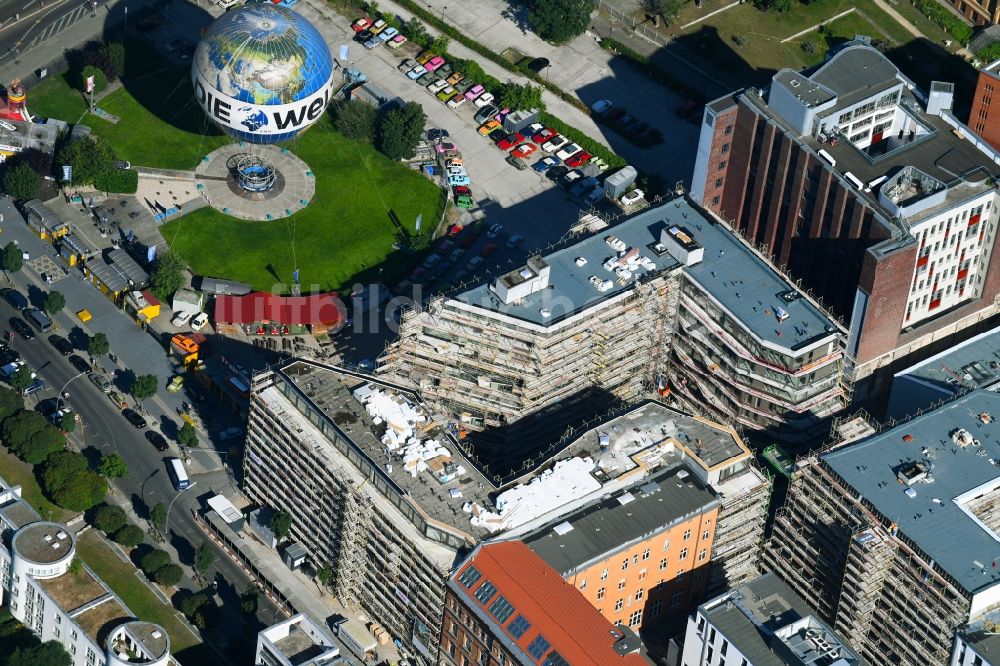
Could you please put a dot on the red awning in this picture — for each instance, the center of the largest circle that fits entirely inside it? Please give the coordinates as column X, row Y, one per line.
column 318, row 309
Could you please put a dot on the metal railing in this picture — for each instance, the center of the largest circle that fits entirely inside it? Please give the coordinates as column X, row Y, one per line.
column 630, row 23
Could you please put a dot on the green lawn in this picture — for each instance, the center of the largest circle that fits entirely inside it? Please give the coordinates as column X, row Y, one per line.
column 121, row 577
column 344, row 235
column 56, row 98
column 19, row 473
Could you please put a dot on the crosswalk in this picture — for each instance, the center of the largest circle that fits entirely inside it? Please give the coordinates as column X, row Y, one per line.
column 60, row 24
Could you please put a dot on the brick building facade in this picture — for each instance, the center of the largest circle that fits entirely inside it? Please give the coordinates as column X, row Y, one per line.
column 984, row 118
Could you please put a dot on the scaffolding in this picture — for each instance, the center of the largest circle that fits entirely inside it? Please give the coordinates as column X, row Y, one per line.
column 356, row 518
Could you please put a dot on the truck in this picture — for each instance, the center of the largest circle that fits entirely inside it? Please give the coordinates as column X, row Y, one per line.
column 515, row 121
column 356, row 638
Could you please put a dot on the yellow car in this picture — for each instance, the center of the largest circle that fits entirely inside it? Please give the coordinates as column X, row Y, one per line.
column 426, row 57
column 488, row 127
column 455, row 78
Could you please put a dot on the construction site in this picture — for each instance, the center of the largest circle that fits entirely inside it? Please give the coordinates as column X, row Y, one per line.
column 893, row 538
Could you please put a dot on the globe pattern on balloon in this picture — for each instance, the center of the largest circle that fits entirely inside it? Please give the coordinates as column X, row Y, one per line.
column 262, row 55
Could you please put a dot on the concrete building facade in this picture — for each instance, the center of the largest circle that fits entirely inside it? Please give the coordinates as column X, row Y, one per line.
column 297, row 641
column 892, row 538
column 858, row 182
column 60, row 599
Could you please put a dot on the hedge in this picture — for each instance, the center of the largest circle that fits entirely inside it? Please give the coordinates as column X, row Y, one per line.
column 119, row 181
column 592, row 146
column 944, row 17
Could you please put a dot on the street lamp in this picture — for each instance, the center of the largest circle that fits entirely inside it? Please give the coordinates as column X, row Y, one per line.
column 166, row 519
column 443, row 10
column 63, row 389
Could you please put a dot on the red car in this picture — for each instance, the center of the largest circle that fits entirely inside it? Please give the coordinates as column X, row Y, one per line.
column 468, row 241
column 454, row 230
column 487, row 250
column 510, row 141
column 524, row 150
column 361, row 24
column 459, row 190
column 578, row 160
column 544, row 135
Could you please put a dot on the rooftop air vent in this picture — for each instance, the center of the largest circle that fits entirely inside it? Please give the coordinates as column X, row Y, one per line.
column 563, row 528
column 625, row 498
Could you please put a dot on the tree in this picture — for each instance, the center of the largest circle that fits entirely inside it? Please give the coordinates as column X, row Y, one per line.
column 49, row 653
column 169, row 575
column 668, row 9
column 189, row 605
column 417, row 32
column 158, row 515
column 187, row 435
column 356, row 120
column 559, row 21
column 144, row 387
column 13, row 257
column 68, row 481
column 54, row 302
column 11, row 402
column 21, row 182
column 204, row 557
column 281, row 524
column 440, row 45
column 153, row 561
column 114, row 53
column 90, row 157
column 42, row 444
column 109, row 518
column 168, row 275
column 250, row 600
column 325, row 575
column 520, row 97
column 400, row 131
column 67, row 422
column 113, row 466
column 129, row 536
column 21, row 379
column 18, row 429
column 98, row 345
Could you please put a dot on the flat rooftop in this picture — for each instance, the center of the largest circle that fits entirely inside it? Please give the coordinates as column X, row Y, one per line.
column 150, row 636
column 752, row 617
column 73, row 590
column 856, row 73
column 609, row 523
column 16, row 512
column 950, row 519
column 298, row 646
column 332, row 392
column 614, row 444
column 44, row 542
column 751, row 290
column 972, row 364
column 99, row 620
column 808, row 91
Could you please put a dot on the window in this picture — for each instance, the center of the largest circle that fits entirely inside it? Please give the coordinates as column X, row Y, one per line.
column 676, row 598
column 555, row 659
column 642, row 575
column 680, row 575
column 485, row 592
column 702, row 554
column 469, row 577
column 684, row 554
column 621, row 584
column 625, row 564
column 600, row 593
column 645, row 554
column 635, row 559
column 583, row 585
column 663, row 564
column 722, row 164
column 518, row 627
column 656, row 607
column 501, row 609
column 638, row 595
column 604, row 574
column 687, row 534
column 538, row 647
column 619, row 604
column 724, row 149
column 718, row 183
column 705, row 534
column 634, row 618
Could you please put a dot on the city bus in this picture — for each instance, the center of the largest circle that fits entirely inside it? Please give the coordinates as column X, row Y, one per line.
column 178, row 474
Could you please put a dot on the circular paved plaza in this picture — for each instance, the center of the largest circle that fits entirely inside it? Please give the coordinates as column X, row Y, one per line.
column 293, row 189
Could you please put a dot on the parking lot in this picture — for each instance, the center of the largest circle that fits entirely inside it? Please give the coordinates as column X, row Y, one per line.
column 523, row 202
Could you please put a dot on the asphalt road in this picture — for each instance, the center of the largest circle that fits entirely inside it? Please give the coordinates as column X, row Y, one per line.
column 40, row 21
column 104, row 430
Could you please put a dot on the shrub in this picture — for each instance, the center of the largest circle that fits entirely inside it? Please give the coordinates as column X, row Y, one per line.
column 153, row 561
column 169, row 575
column 740, row 40
column 100, row 79
column 118, row 181
column 355, row 119
column 129, row 536
column 109, row 519
column 21, row 182
column 809, row 48
column 944, row 17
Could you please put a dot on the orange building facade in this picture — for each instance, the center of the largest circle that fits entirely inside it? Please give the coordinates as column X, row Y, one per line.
column 640, row 557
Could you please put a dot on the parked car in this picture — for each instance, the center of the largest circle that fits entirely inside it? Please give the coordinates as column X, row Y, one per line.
column 498, row 135
column 484, row 99
column 600, row 106
column 571, row 177
column 524, row 150
column 456, row 254
column 554, row 144
column 468, row 240
column 510, row 140
column 157, row 440
column 135, row 418
column 437, row 85
column 81, row 365
column 455, row 78
column 544, row 164
column 474, row 263
column 582, row 186
column 579, row 159
column 489, row 127
column 494, row 231
column 445, row 70
column 632, row 197
column 427, row 79
column 544, row 135
column 199, row 321
column 416, row 72
column 9, row 356
column 637, row 129
column 361, row 24
column 456, row 171
column 373, row 42
column 182, row 318
column 514, row 241
column 62, row 345
column 464, row 201
column 34, row 387
column 625, row 121
column 485, row 114
column 445, row 147
column 591, row 198
column 487, row 250
column 436, row 133
column 538, row 64
column 430, row 261
column 397, row 41
column 445, row 93
column 16, row 299
column 460, row 190
column 474, row 92
column 459, row 180
column 568, row 151
column 434, row 63
column 388, row 34
column 100, row 381
column 21, row 328
column 456, row 101
column 426, row 57
column 378, row 27
column 465, row 85
column 454, row 230
column 532, row 129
